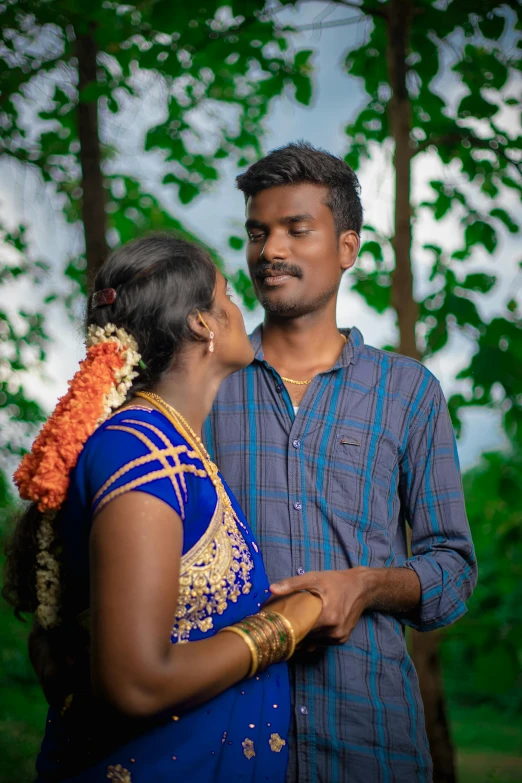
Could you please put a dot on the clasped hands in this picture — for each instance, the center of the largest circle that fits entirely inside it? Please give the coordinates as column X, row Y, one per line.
column 344, row 595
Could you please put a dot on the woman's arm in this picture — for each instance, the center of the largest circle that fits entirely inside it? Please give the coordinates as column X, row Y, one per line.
column 135, row 555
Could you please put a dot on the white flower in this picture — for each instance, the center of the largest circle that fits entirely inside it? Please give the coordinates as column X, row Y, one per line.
column 48, row 586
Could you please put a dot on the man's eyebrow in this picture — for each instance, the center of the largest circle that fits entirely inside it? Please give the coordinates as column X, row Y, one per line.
column 287, row 220
column 297, row 218
column 251, row 223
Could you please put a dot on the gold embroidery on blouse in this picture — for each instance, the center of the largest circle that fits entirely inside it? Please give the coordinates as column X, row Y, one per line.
column 119, row 774
column 175, row 473
column 211, row 574
column 248, row 748
column 276, row 743
column 215, row 571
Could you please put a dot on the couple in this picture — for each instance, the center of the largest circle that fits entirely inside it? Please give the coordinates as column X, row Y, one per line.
column 160, row 641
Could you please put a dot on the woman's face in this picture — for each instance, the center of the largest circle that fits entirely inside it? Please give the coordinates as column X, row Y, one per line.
column 231, row 344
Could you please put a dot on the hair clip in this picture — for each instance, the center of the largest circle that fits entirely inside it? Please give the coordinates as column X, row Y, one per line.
column 104, row 297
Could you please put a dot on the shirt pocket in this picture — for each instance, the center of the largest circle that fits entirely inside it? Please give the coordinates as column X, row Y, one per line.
column 362, row 478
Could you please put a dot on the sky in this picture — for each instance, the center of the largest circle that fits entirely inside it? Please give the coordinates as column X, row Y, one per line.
column 220, row 213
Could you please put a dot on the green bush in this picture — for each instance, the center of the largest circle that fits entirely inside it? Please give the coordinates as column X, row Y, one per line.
column 482, row 653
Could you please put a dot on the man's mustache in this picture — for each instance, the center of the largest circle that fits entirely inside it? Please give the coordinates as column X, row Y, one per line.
column 265, row 270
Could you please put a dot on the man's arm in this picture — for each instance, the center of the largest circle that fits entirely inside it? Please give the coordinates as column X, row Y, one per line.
column 433, row 501
column 347, row 594
column 430, row 589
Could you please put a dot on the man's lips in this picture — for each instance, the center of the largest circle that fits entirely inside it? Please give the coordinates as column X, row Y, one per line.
column 278, row 278
column 275, row 277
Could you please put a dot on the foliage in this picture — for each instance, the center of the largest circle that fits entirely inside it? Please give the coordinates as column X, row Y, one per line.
column 483, row 650
column 474, row 47
column 212, row 68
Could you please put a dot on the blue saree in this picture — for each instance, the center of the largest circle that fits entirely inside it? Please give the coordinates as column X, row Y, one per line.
column 239, row 735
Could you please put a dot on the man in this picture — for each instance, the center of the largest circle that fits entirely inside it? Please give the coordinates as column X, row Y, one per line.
column 332, row 447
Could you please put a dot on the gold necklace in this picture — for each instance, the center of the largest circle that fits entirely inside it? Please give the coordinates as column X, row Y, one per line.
column 305, row 383
column 180, row 423
column 297, row 383
column 228, row 550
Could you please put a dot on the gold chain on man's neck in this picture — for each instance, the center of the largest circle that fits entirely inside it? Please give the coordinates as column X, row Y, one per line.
column 305, row 383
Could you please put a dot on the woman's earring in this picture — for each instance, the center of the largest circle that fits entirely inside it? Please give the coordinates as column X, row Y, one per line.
column 211, row 346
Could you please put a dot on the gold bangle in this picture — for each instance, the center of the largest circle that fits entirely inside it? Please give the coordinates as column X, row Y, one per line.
column 249, row 643
column 287, row 625
column 269, row 636
column 270, row 630
column 260, row 634
column 255, row 637
column 279, row 634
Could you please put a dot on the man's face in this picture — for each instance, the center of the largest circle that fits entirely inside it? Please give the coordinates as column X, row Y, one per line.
column 294, row 256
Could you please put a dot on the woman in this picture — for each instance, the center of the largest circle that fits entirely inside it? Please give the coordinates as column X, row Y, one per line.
column 151, row 641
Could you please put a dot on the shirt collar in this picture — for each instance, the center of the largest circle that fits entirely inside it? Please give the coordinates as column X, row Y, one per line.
column 349, row 354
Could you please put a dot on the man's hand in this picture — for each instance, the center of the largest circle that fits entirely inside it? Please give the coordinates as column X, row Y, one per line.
column 344, row 594
column 347, row 594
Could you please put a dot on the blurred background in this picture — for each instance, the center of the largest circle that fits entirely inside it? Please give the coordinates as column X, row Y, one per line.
column 120, row 118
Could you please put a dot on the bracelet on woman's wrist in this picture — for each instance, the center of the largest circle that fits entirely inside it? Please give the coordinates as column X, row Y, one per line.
column 269, row 637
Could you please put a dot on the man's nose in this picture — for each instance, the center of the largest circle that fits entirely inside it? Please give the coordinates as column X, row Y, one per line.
column 275, row 248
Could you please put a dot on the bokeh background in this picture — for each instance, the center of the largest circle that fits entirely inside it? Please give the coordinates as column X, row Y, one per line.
column 120, row 118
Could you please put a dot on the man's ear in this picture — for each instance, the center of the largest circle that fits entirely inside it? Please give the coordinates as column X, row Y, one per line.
column 349, row 244
column 198, row 326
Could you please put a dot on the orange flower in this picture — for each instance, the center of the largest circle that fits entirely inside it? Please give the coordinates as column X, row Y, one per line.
column 43, row 474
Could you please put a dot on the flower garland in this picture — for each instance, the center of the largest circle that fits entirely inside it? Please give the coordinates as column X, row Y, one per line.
column 100, row 385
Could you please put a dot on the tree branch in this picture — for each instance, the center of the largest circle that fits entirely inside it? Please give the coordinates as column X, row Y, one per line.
column 371, row 11
column 321, row 25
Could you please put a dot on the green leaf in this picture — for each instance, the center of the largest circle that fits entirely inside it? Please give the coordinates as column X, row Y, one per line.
column 303, row 89
column 492, row 27
column 502, row 215
column 243, row 285
column 187, row 192
column 479, row 282
column 236, row 243
column 480, row 233
column 475, row 105
column 372, row 247
column 375, row 288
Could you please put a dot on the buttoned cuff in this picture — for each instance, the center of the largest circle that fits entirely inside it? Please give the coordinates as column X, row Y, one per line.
column 441, row 602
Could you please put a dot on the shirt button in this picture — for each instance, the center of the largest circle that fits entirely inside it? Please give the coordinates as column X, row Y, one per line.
column 298, row 506
column 296, row 444
column 279, row 388
column 300, row 570
column 303, row 710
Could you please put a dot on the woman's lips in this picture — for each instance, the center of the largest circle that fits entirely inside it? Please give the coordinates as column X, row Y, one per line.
column 276, row 280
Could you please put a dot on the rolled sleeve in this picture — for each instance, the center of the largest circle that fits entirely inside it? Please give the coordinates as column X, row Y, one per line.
column 433, row 501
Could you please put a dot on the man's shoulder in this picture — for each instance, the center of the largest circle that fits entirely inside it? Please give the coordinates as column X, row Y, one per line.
column 402, row 379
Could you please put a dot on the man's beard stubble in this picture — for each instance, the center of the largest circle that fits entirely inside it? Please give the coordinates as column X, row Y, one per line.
column 297, row 307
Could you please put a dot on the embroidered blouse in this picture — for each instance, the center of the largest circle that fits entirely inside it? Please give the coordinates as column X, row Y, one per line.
column 238, row 735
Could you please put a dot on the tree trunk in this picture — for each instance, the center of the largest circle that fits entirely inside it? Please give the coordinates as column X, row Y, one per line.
column 93, row 202
column 399, row 20
column 424, row 646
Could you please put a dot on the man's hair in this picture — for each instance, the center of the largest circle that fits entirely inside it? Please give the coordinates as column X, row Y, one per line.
column 299, row 163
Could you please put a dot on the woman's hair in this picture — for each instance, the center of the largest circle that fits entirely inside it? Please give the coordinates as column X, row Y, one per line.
column 159, row 281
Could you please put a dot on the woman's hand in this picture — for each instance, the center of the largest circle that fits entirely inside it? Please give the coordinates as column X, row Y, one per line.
column 301, row 609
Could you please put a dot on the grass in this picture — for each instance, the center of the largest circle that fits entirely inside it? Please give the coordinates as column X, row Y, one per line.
column 489, row 745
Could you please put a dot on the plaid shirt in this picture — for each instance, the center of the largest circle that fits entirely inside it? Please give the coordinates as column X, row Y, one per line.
column 331, row 488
